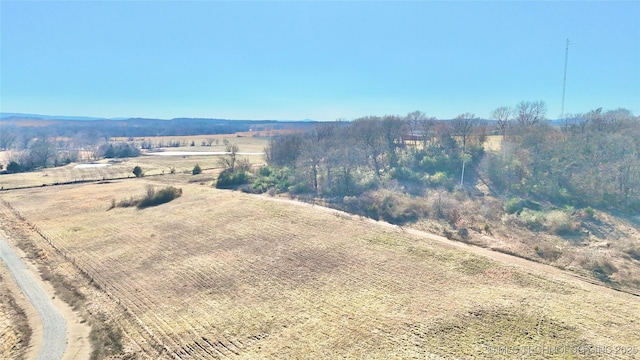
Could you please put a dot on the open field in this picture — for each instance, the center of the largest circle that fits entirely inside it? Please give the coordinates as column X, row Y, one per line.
column 218, row 273
column 242, row 138
column 151, row 165
column 493, row 142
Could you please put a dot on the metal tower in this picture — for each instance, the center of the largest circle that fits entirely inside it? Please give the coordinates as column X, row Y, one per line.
column 564, row 83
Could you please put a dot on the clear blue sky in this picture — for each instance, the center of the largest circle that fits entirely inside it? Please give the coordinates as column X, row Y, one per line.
column 317, row 60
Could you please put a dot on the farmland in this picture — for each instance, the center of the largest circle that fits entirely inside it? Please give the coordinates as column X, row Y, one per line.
column 151, row 165
column 219, row 273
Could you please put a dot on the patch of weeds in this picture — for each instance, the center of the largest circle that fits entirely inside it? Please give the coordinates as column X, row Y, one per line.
column 473, row 265
column 63, row 288
column 561, row 223
column 383, row 239
column 474, row 333
column 547, row 252
column 532, row 220
column 463, row 233
column 152, row 198
column 105, row 338
column 603, row 270
column 155, row 198
column 513, row 206
column 633, row 252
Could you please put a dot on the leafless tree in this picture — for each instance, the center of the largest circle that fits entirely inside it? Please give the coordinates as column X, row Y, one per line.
column 368, row 131
column 414, row 120
column 530, row 112
column 228, row 161
column 463, row 126
column 42, row 152
column 503, row 116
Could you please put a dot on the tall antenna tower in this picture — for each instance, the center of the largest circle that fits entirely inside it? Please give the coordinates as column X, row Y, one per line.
column 564, row 82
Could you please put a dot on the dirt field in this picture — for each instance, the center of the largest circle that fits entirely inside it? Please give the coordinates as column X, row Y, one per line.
column 218, row 273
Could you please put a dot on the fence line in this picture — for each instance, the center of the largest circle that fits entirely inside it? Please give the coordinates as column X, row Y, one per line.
column 159, row 346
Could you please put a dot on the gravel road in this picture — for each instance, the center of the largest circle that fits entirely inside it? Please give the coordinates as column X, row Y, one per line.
column 54, row 335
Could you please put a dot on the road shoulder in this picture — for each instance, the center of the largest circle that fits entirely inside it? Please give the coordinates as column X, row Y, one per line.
column 78, row 344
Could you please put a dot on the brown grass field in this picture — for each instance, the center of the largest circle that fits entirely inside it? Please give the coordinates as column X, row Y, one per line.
column 218, row 274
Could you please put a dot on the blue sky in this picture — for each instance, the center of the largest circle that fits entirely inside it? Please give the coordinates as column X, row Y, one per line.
column 317, row 60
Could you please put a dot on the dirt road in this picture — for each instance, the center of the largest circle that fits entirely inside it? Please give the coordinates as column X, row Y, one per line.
column 54, row 339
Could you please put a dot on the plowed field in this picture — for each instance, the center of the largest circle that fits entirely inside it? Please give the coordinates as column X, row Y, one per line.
column 225, row 274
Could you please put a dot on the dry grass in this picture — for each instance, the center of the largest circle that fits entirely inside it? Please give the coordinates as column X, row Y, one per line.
column 247, row 141
column 14, row 328
column 494, row 142
column 217, row 273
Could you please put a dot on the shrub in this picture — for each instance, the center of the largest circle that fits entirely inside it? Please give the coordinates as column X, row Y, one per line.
column 270, row 178
column 137, row 171
column 533, row 220
column 513, row 206
column 128, row 202
column 548, row 252
column 196, row 170
column 14, row 167
column 300, row 188
column 119, row 150
column 587, row 213
column 453, row 217
column 393, row 208
column 228, row 179
column 603, row 269
column 154, row 198
column 560, row 223
column 265, row 171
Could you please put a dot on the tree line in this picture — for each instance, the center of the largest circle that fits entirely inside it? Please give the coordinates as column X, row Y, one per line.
column 590, row 159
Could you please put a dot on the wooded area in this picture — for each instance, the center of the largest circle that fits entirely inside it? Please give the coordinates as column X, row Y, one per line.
column 592, row 159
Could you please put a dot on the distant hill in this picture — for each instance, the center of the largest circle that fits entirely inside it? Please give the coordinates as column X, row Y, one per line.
column 5, row 115
column 18, row 116
column 132, row 127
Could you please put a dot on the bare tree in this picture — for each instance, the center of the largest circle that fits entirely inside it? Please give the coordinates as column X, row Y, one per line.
column 503, row 116
column 320, row 138
column 426, row 129
column 284, row 150
column 415, row 119
column 530, row 112
column 393, row 131
column 368, row 131
column 463, row 126
column 42, row 152
column 228, row 161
